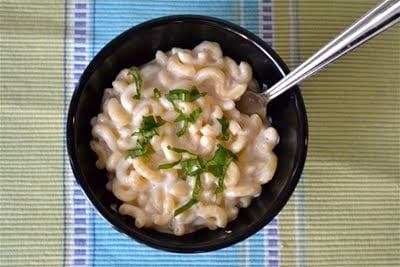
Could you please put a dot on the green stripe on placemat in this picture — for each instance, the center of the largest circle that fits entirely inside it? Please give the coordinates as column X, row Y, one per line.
column 352, row 171
column 31, row 133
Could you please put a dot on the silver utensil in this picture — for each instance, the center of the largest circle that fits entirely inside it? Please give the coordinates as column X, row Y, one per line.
column 371, row 24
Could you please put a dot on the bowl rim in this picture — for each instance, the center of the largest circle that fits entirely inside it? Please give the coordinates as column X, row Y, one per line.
column 141, row 237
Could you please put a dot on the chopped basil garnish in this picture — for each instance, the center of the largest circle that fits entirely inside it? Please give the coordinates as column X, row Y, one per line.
column 187, row 119
column 192, row 118
column 156, row 93
column 193, row 200
column 225, row 126
column 196, row 172
column 219, row 164
column 148, row 128
column 185, row 95
column 183, row 130
column 179, row 150
column 185, row 207
column 168, row 165
column 146, row 131
column 189, row 165
column 134, row 72
column 141, row 150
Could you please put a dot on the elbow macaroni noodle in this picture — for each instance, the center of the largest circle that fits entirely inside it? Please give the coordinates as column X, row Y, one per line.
column 152, row 195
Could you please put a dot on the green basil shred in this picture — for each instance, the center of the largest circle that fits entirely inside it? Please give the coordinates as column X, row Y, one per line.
column 135, row 74
column 187, row 119
column 195, row 166
column 148, row 127
column 168, row 165
column 193, row 200
column 219, row 164
column 156, row 93
column 141, row 150
column 185, row 95
column 190, row 167
column 146, row 131
column 225, row 126
column 179, row 150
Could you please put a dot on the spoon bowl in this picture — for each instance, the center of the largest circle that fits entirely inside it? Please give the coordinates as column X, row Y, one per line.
column 253, row 102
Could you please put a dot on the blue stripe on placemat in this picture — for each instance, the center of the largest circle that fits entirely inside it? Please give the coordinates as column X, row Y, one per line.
column 251, row 18
column 114, row 249
column 114, row 17
column 107, row 247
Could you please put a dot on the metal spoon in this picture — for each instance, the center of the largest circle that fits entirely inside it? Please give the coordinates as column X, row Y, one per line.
column 371, row 24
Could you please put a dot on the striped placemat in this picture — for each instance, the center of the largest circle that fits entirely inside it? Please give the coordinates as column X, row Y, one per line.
column 345, row 210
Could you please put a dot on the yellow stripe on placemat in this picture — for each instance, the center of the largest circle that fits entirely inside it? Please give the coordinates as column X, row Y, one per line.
column 352, row 173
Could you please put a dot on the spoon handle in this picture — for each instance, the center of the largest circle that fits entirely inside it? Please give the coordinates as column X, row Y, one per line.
column 371, row 24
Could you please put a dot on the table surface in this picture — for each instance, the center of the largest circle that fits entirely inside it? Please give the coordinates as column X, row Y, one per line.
column 345, row 210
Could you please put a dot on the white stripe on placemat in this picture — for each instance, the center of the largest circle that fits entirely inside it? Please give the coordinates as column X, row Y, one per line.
column 272, row 243
column 266, row 15
column 241, row 13
column 293, row 61
column 299, row 192
column 78, row 41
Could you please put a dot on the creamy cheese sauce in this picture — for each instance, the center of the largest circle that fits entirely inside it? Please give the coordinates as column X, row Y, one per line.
column 233, row 151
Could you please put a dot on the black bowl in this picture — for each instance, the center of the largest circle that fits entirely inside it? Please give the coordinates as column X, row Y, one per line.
column 138, row 46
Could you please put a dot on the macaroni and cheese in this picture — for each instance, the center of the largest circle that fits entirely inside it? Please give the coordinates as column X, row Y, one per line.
column 178, row 153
